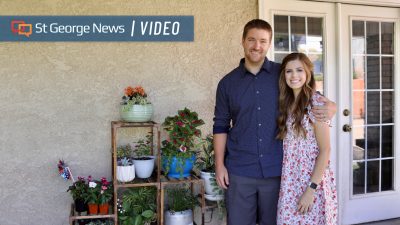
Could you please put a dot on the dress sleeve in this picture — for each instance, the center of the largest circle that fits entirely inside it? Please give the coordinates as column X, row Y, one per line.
column 315, row 101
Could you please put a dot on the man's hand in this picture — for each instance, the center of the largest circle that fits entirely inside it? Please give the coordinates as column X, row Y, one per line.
column 324, row 112
column 221, row 175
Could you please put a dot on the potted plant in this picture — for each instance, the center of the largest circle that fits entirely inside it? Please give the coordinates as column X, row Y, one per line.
column 206, row 164
column 125, row 167
column 92, row 196
column 143, row 160
column 105, row 195
column 125, row 170
column 178, row 153
column 138, row 206
column 134, row 106
column 179, row 207
column 78, row 190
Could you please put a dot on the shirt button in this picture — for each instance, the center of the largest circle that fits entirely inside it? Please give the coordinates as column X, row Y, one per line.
column 259, row 124
column 256, row 78
column 261, row 155
column 257, row 92
column 259, row 108
column 260, row 140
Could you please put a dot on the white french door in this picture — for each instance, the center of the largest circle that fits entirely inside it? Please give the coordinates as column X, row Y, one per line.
column 368, row 124
column 355, row 50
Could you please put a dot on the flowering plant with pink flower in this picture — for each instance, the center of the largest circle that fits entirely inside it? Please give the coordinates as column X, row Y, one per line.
column 106, row 191
column 183, row 133
column 92, row 194
column 182, row 129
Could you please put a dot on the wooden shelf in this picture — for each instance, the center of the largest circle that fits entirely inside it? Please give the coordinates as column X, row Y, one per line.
column 154, row 180
column 76, row 216
column 157, row 180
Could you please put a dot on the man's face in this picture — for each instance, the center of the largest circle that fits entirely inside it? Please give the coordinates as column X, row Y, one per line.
column 256, row 45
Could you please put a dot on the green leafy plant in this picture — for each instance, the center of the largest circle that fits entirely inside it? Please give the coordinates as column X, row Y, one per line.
column 205, row 158
column 78, row 189
column 181, row 199
column 124, row 151
column 183, row 134
column 138, row 206
column 182, row 128
column 125, row 162
column 143, row 147
column 93, row 191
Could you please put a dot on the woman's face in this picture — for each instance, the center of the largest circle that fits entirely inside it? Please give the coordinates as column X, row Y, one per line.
column 295, row 75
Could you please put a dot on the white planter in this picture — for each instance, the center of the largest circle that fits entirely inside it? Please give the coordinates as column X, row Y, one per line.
column 144, row 168
column 207, row 183
column 179, row 218
column 125, row 173
column 136, row 113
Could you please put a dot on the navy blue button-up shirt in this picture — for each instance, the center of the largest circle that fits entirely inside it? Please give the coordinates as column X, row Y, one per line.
column 246, row 109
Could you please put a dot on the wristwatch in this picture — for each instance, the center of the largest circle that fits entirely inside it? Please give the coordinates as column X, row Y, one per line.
column 313, row 185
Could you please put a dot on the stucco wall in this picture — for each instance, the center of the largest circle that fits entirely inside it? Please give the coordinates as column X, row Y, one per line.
column 57, row 99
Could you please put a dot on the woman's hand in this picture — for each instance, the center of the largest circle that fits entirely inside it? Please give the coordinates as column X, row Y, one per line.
column 306, row 201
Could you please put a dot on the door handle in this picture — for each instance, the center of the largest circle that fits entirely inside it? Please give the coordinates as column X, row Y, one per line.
column 346, row 128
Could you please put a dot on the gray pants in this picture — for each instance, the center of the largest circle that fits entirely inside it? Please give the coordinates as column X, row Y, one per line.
column 252, row 200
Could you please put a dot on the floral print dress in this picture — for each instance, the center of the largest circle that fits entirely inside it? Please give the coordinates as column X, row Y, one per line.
column 299, row 157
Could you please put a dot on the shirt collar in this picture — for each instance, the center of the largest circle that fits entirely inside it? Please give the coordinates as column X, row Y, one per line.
column 266, row 66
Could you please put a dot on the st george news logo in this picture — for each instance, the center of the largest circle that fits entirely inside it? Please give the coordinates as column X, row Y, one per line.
column 21, row 28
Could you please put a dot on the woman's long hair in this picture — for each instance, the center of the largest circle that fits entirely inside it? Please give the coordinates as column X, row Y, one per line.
column 288, row 104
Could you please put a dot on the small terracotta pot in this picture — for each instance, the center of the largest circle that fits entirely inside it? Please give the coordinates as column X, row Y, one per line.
column 93, row 208
column 103, row 208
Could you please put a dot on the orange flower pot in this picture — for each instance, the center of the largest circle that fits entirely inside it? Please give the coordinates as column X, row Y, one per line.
column 103, row 208
column 93, row 208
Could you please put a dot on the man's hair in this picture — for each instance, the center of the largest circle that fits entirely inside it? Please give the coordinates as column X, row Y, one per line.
column 259, row 24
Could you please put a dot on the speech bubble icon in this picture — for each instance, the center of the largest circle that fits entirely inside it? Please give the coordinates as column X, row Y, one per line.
column 23, row 31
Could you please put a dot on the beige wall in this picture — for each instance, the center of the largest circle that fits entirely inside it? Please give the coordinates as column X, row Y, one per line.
column 57, row 99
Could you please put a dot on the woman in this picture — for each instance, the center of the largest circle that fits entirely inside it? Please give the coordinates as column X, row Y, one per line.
column 308, row 193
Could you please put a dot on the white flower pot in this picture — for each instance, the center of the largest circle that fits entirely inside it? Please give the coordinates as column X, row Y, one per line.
column 125, row 173
column 144, row 168
column 136, row 113
column 179, row 218
column 207, row 183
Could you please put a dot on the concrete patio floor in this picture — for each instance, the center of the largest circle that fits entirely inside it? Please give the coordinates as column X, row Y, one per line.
column 384, row 222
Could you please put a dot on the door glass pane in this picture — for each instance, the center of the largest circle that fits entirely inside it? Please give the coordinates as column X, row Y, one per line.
column 373, row 106
column 359, row 144
column 387, row 72
column 373, row 136
column 372, row 176
column 298, row 33
column 373, row 72
column 281, row 33
column 318, row 62
column 387, row 175
column 387, row 141
column 387, row 36
column 314, row 37
column 358, row 177
column 279, row 57
column 387, row 107
column 372, row 37
column 358, row 39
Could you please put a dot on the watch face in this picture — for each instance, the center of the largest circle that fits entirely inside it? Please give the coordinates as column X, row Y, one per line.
column 313, row 185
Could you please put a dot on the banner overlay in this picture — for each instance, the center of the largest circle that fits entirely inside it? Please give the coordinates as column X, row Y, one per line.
column 96, row 28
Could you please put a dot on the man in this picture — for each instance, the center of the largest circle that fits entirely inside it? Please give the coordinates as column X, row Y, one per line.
column 245, row 125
